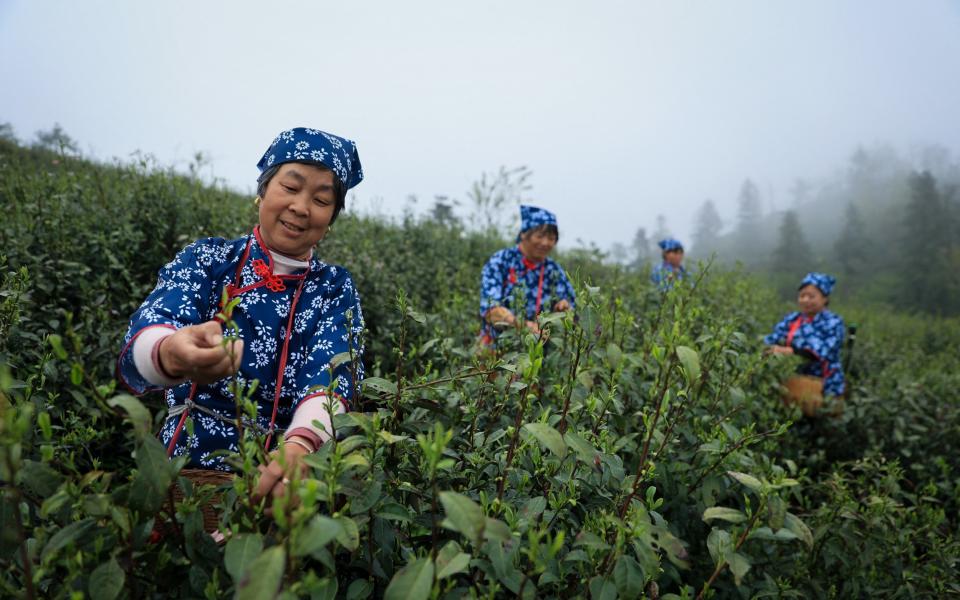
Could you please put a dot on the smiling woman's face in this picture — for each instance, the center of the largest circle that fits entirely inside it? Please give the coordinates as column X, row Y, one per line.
column 296, row 209
column 536, row 245
column 811, row 300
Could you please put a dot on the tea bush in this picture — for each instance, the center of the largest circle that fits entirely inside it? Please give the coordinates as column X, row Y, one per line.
column 641, row 450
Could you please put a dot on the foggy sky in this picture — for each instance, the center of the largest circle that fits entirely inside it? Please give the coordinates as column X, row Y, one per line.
column 622, row 110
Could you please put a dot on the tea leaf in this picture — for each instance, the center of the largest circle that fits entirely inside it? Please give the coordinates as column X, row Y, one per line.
column 629, row 577
column 72, row 533
column 549, row 437
column 739, row 565
column 776, row 511
column 690, row 361
column 413, row 582
column 241, row 550
column 463, row 515
column 262, row 578
column 495, row 529
column 793, row 524
column 730, row 515
column 749, row 481
column 719, row 545
column 56, row 343
column 318, row 532
column 451, row 560
column 136, row 412
column 349, row 534
column 154, row 476
column 39, row 478
column 379, row 384
column 106, row 581
column 359, row 589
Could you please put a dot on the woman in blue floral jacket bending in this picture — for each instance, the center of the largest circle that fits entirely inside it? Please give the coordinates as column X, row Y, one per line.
column 295, row 314
column 519, row 283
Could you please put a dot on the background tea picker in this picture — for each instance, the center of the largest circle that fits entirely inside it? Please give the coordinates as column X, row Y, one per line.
column 521, row 281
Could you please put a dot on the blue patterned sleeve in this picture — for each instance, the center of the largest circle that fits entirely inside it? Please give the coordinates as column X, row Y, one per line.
column 839, row 332
column 180, row 298
column 491, row 284
column 780, row 331
column 338, row 334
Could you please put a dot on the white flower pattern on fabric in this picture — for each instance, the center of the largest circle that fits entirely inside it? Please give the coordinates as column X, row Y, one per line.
column 252, row 298
column 334, row 141
column 301, row 320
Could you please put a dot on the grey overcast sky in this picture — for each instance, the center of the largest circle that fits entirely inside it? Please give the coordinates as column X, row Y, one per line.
column 622, row 110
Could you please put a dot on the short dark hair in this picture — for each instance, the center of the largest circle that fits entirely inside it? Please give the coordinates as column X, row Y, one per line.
column 545, row 228
column 339, row 190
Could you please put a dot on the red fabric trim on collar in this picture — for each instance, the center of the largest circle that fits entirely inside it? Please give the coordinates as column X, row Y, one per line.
column 263, row 247
column 529, row 264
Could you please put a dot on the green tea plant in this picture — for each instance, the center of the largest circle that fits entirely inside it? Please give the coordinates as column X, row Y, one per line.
column 637, row 449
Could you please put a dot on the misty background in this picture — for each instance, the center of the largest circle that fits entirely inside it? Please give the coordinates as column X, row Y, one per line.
column 790, row 137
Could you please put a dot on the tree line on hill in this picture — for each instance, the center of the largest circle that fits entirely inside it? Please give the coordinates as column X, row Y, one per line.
column 888, row 227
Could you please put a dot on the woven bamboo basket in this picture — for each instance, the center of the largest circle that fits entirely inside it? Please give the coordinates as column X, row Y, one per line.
column 806, row 392
column 199, row 477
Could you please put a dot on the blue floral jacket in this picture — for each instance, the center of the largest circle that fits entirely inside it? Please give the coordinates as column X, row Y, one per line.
column 664, row 274
column 508, row 279
column 819, row 339
column 320, row 306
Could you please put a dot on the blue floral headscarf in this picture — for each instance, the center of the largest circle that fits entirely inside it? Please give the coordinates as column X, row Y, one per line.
column 822, row 281
column 301, row 144
column 669, row 244
column 534, row 216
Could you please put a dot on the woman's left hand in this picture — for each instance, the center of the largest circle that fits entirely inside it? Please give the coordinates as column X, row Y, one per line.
column 563, row 305
column 275, row 477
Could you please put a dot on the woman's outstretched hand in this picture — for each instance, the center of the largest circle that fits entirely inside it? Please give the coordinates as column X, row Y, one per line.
column 197, row 353
column 275, row 477
column 778, row 350
column 562, row 306
column 500, row 317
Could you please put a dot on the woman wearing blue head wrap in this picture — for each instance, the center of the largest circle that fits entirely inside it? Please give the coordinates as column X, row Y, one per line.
column 523, row 278
column 295, row 313
column 671, row 269
column 814, row 333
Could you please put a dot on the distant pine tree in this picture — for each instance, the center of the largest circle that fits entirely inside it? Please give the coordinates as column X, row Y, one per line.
column 793, row 256
column 749, row 218
column 928, row 265
column 6, row 132
column 641, row 249
column 707, row 230
column 662, row 231
column 854, row 248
